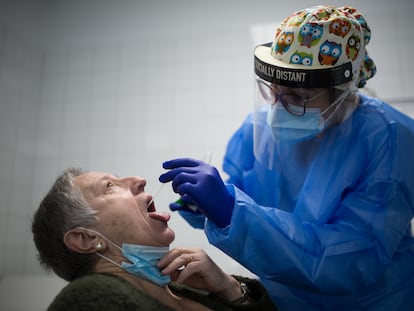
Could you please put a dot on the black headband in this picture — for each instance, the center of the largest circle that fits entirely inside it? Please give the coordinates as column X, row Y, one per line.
column 316, row 78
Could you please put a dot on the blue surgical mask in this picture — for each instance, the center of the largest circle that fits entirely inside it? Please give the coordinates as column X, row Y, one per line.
column 143, row 260
column 288, row 127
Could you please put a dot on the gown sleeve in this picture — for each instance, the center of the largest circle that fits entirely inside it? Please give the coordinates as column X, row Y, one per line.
column 345, row 253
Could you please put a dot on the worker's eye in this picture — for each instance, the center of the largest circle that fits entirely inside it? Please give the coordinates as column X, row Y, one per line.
column 109, row 184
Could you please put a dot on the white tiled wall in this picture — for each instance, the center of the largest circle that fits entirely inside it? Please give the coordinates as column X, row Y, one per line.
column 21, row 62
column 121, row 86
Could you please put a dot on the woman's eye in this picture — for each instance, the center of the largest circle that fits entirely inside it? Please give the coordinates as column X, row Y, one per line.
column 109, row 185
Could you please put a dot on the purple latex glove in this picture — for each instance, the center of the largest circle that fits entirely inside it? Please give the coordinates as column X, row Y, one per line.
column 201, row 183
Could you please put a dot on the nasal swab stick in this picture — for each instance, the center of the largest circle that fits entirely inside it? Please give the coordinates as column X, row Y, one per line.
column 155, row 195
column 208, row 156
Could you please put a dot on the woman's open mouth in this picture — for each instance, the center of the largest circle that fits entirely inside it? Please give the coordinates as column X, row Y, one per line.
column 161, row 216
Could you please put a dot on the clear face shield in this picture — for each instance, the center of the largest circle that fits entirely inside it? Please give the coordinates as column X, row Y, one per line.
column 285, row 118
column 280, row 119
column 316, row 49
column 293, row 104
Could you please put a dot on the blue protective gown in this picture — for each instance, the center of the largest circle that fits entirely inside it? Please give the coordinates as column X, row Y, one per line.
column 331, row 227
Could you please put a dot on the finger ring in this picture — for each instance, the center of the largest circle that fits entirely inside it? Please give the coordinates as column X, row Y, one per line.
column 191, row 258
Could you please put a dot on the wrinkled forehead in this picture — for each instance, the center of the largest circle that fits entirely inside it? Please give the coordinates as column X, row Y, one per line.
column 88, row 183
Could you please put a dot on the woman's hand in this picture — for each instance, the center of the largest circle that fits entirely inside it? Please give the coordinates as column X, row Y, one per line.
column 193, row 267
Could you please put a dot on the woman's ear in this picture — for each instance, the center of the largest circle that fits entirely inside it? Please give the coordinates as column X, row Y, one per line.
column 82, row 241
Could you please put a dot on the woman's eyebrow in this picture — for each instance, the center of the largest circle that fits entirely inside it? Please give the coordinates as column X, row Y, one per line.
column 106, row 177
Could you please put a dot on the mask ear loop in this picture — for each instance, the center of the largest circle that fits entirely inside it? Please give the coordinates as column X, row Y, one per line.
column 337, row 103
column 108, row 259
column 104, row 237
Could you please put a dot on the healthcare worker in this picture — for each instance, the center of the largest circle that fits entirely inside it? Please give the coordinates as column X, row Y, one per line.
column 320, row 198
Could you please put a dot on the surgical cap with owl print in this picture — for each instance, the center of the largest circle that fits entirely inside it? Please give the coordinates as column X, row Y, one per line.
column 321, row 46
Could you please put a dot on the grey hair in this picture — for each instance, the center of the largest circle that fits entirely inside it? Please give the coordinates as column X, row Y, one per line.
column 80, row 214
column 63, row 208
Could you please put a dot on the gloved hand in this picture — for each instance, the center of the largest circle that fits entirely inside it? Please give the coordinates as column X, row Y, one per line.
column 201, row 183
column 184, row 203
column 189, row 212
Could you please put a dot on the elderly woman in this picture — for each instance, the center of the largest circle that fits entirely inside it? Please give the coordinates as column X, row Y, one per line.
column 103, row 234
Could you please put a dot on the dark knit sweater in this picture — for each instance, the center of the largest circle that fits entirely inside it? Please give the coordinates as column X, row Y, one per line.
column 105, row 292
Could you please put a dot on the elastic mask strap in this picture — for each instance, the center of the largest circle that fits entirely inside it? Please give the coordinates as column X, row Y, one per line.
column 337, row 103
column 104, row 237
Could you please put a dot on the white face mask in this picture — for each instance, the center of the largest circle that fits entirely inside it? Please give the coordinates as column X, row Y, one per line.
column 288, row 127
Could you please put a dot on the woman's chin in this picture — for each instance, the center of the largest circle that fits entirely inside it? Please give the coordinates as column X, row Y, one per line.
column 168, row 236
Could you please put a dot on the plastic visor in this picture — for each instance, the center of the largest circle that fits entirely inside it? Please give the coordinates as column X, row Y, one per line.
column 267, row 150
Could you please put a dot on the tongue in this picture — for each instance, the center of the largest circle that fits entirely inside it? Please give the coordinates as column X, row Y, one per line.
column 164, row 217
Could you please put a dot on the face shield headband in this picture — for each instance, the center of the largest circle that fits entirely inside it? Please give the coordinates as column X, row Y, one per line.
column 298, row 78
